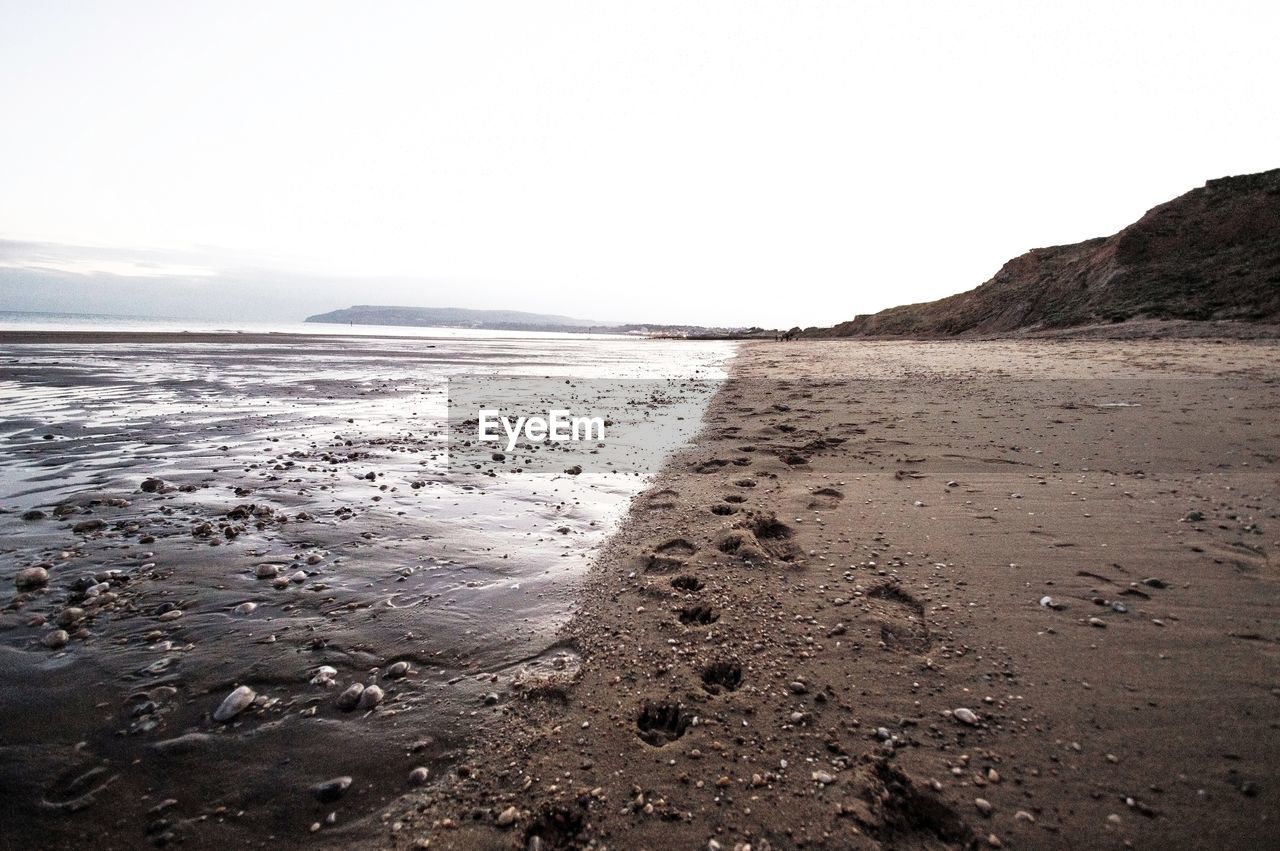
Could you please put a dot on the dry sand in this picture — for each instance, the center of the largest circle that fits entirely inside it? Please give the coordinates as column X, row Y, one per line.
column 779, row 644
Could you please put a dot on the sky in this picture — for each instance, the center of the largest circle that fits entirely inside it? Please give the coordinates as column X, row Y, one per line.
column 720, row 163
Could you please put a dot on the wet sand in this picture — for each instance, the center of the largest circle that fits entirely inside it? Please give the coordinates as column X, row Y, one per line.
column 186, row 516
column 918, row 595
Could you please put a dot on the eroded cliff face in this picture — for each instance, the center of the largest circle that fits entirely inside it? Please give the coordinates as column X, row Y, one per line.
column 1213, row 253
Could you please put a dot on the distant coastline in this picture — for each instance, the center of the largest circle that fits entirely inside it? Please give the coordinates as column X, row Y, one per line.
column 515, row 320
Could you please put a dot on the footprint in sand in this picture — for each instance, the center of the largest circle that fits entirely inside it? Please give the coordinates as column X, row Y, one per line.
column 660, row 723
column 671, row 555
column 722, row 676
column 688, row 584
column 899, row 618
column 662, row 500
column 826, row 498
column 698, row 615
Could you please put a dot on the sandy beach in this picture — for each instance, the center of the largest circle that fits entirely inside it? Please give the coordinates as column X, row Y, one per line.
column 886, row 595
column 918, row 595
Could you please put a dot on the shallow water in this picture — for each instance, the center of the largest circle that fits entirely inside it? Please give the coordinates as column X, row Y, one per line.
column 266, row 451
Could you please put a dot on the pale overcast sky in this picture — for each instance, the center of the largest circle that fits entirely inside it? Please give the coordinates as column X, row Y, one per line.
column 769, row 163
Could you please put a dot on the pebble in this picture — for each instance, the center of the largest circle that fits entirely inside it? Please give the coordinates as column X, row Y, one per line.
column 983, row 805
column 245, row 608
column 330, row 790
column 56, row 639
column 965, row 716
column 396, row 670
column 324, row 675
column 1023, row 815
column 1098, row 622
column 266, row 571
column 370, row 697
column 234, row 703
column 798, row 687
column 491, row 699
column 31, row 577
column 70, row 616
column 508, row 817
column 350, row 697
column 299, row 576
column 1118, row 607
column 418, row 776
column 823, row 777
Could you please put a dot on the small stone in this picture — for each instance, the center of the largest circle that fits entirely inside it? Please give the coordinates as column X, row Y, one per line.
column 299, row 577
column 84, row 527
column 418, row 776
column 324, row 675
column 491, row 698
column 823, row 777
column 994, row 841
column 267, row 571
column 396, row 670
column 1118, row 607
column 350, row 697
column 1153, row 582
column 1098, row 622
column 331, row 790
column 965, row 716
column 508, row 817
column 56, row 639
column 234, row 703
column 1023, row 815
column 70, row 616
column 31, row 577
column 34, row 514
column 370, row 697
column 798, row 687
column 245, row 608
column 983, row 806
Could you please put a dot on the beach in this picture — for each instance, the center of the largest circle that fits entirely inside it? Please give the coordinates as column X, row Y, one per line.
column 879, row 595
column 919, row 595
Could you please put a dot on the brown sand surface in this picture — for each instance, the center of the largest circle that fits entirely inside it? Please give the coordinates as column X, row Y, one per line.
column 779, row 642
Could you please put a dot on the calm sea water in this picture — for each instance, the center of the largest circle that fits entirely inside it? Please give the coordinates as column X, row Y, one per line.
column 30, row 321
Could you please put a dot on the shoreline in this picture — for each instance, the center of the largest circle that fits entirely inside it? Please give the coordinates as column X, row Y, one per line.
column 182, row 523
column 824, row 624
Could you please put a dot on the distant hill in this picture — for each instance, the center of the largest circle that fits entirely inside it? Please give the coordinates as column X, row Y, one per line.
column 453, row 317
column 512, row 320
column 1211, row 254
